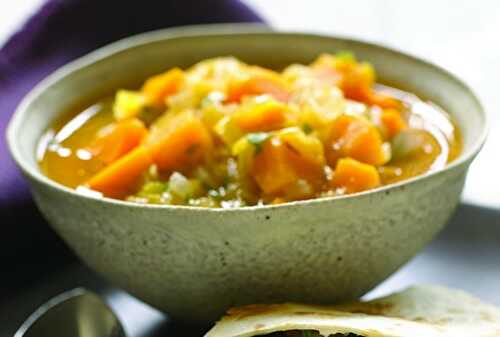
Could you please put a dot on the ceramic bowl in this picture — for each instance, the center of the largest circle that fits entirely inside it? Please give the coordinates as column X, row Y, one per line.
column 194, row 263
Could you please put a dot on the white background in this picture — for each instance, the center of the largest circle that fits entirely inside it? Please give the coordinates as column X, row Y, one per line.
column 460, row 35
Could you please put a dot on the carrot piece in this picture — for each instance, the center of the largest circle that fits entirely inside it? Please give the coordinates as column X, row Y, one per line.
column 121, row 177
column 382, row 100
column 272, row 169
column 118, row 139
column 355, row 176
column 266, row 116
column 392, row 122
column 278, row 165
column 258, row 85
column 363, row 92
column 159, row 87
column 278, row 201
column 311, row 171
column 179, row 141
column 357, row 138
column 355, row 79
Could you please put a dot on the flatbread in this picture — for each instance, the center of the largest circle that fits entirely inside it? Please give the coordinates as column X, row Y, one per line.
column 421, row 311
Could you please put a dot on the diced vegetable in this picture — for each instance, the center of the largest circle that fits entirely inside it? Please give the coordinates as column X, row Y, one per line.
column 278, row 201
column 245, row 153
column 357, row 138
column 243, row 144
column 183, row 187
column 190, row 97
column 257, row 139
column 345, row 71
column 261, row 115
column 316, row 119
column 299, row 190
column 411, row 142
column 356, row 79
column 153, row 192
column 316, row 104
column 281, row 163
column 179, row 141
column 354, row 176
column 154, row 187
column 308, row 147
column 261, row 82
column 159, row 87
column 228, row 130
column 215, row 97
column 272, row 169
column 206, row 177
column 211, row 115
column 117, row 139
column 392, row 122
column 212, row 109
column 128, row 104
column 384, row 101
column 121, row 177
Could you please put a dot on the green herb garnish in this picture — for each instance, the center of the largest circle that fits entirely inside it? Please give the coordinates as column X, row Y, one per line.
column 346, row 55
column 257, row 139
column 307, row 128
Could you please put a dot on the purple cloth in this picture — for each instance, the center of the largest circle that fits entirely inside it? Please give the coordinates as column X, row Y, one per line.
column 61, row 31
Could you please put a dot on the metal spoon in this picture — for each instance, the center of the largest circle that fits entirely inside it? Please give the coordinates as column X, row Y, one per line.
column 77, row 313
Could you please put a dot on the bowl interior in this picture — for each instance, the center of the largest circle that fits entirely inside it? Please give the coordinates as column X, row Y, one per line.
column 127, row 62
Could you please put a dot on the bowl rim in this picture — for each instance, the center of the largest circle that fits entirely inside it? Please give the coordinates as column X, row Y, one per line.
column 225, row 29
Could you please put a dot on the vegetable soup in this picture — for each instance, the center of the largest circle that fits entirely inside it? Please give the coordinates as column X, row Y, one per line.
column 228, row 134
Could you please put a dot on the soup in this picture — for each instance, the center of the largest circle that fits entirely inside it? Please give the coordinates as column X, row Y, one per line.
column 227, row 134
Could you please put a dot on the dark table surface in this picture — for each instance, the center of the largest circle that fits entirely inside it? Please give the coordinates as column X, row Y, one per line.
column 465, row 255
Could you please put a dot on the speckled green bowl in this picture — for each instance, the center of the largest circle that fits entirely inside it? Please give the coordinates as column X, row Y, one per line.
column 194, row 263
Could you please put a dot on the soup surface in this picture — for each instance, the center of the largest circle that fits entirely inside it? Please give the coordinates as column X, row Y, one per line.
column 227, row 134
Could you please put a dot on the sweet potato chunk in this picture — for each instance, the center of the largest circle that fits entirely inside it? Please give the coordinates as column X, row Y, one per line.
column 272, row 169
column 356, row 138
column 356, row 79
column 121, row 177
column 355, row 176
column 266, row 116
column 159, row 87
column 258, row 84
column 118, row 139
column 392, row 122
column 179, row 141
column 279, row 164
